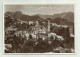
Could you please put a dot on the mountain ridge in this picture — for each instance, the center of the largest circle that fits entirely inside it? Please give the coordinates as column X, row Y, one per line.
column 66, row 15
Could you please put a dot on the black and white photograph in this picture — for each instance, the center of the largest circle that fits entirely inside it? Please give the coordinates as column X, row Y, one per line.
column 40, row 28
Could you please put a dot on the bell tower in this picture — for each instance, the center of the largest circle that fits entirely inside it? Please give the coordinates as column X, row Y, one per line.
column 48, row 25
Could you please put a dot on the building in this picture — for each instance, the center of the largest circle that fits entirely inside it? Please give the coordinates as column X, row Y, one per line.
column 48, row 25
column 39, row 31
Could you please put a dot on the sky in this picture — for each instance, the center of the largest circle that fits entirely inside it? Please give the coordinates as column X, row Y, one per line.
column 39, row 9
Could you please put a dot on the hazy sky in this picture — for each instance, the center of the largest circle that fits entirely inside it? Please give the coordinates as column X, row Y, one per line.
column 39, row 9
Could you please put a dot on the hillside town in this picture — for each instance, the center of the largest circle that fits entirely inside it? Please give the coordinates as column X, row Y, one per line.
column 37, row 37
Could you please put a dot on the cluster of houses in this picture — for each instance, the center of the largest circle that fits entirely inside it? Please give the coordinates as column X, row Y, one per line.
column 33, row 30
column 41, row 31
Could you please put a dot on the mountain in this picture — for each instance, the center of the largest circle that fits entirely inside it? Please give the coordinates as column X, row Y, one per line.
column 30, row 18
column 61, row 21
column 66, row 18
column 45, row 16
column 66, row 15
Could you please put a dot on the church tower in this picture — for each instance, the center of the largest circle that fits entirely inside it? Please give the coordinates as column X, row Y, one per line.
column 48, row 25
